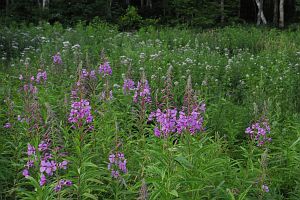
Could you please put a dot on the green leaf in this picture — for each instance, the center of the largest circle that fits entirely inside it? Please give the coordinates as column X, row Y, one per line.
column 243, row 195
column 174, row 193
column 90, row 196
column 184, row 162
column 94, row 180
column 89, row 164
column 295, row 143
column 230, row 194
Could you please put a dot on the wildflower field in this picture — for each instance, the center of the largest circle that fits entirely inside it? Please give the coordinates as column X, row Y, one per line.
column 161, row 113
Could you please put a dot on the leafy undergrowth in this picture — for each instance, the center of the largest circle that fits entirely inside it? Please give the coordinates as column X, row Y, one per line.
column 92, row 113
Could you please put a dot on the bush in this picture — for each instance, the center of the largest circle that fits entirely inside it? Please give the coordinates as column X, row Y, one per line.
column 131, row 20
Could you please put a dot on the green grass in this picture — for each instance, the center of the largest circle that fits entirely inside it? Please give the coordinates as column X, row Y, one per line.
column 240, row 72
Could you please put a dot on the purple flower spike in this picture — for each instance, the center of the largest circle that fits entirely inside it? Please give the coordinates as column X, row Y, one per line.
column 63, row 164
column 30, row 150
column 68, row 183
column 117, row 162
column 265, row 188
column 25, row 173
column 48, row 167
column 7, row 125
column 168, row 122
column 62, row 183
column 157, row 132
column 115, row 174
column 43, row 146
column 105, row 69
column 142, row 91
column 57, row 188
column 122, row 166
column 41, row 76
column 259, row 132
column 29, row 163
column 80, row 111
column 57, row 59
column 128, row 85
column 43, row 180
column 112, row 158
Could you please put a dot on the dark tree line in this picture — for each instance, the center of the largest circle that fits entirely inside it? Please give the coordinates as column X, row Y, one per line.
column 190, row 12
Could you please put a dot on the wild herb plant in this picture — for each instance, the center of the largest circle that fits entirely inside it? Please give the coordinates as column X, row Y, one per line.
column 74, row 126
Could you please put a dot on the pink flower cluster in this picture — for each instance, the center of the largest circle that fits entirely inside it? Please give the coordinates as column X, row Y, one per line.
column 105, row 69
column 142, row 92
column 30, row 87
column 62, row 183
column 167, row 121
column 128, row 85
column 105, row 96
column 41, row 76
column 86, row 74
column 80, row 112
column 192, row 122
column 265, row 188
column 117, row 162
column 7, row 125
column 47, row 165
column 259, row 131
column 172, row 121
column 57, row 59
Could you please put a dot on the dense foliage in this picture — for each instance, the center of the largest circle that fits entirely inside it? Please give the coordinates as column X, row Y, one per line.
column 93, row 113
column 197, row 13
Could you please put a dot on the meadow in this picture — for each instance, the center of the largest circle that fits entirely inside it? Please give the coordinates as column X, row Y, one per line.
column 160, row 113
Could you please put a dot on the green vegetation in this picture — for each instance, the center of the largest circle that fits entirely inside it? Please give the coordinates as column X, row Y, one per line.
column 243, row 74
column 193, row 13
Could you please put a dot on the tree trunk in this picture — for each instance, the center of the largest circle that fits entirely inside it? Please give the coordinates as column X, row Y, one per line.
column 165, row 6
column 142, row 4
column 239, row 9
column 275, row 13
column 6, row 6
column 109, row 2
column 44, row 4
column 39, row 3
column 222, row 12
column 260, row 13
column 149, row 4
column 281, row 13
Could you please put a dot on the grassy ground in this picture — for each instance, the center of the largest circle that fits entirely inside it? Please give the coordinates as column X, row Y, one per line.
column 242, row 74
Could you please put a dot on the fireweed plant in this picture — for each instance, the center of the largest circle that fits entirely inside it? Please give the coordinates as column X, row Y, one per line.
column 232, row 67
column 10, row 113
column 128, row 83
column 189, row 119
column 46, row 164
column 259, row 132
column 142, row 93
column 105, row 71
column 117, row 164
column 88, row 81
column 29, row 91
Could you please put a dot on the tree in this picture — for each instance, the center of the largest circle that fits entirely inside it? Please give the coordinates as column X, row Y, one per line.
column 108, row 10
column 149, row 4
column 260, row 14
column 281, row 13
column 222, row 12
column 275, row 13
column 142, row 4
